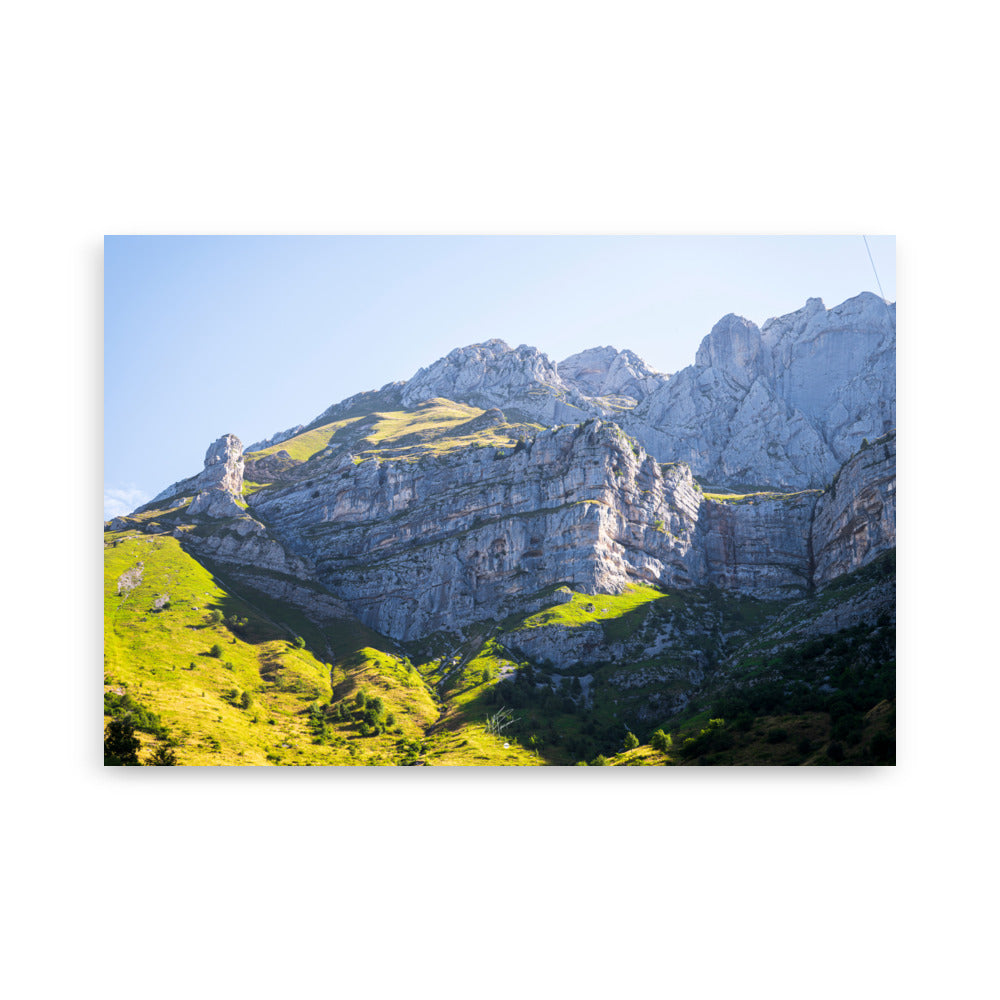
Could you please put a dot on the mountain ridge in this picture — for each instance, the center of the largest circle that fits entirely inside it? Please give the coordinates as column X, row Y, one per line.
column 647, row 544
column 742, row 369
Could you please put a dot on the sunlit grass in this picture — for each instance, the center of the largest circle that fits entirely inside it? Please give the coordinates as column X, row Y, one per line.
column 764, row 495
column 303, row 446
column 583, row 609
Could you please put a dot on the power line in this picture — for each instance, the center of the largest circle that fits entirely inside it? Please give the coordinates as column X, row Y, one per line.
column 877, row 282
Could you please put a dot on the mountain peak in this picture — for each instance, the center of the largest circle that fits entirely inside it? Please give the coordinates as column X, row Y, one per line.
column 734, row 342
column 606, row 371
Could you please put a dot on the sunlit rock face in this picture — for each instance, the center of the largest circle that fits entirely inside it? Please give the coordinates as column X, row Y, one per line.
column 417, row 546
column 520, row 381
column 781, row 406
column 605, row 371
column 223, row 471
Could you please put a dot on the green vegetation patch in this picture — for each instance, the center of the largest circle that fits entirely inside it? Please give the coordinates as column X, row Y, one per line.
column 303, row 446
column 583, row 609
column 764, row 495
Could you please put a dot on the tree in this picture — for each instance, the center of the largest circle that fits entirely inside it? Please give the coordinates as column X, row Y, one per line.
column 162, row 756
column 631, row 741
column 660, row 741
column 121, row 745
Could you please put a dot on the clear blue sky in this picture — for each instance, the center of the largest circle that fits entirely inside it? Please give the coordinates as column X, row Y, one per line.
column 205, row 336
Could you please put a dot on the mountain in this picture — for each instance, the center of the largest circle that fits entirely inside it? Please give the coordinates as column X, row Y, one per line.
column 784, row 405
column 540, row 557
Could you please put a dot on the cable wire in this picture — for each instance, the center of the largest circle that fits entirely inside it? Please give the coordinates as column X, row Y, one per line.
column 877, row 282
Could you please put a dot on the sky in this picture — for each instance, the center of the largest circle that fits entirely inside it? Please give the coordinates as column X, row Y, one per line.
column 205, row 336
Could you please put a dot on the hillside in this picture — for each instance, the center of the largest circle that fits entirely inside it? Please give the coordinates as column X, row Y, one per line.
column 538, row 568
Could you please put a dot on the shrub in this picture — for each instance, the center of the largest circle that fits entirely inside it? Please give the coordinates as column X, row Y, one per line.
column 162, row 756
column 835, row 751
column 298, row 642
column 215, row 651
column 121, row 745
column 142, row 718
column 215, row 617
column 631, row 741
column 599, row 761
column 777, row 735
column 245, row 700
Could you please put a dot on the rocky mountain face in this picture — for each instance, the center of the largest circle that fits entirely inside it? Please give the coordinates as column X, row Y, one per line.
column 223, row 471
column 444, row 541
column 781, row 406
column 438, row 543
column 856, row 517
column 521, row 381
column 606, row 372
column 595, row 490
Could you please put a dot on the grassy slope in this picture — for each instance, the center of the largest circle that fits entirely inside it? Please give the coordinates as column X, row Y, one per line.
column 434, row 427
column 303, row 446
column 440, row 704
column 161, row 658
column 583, row 609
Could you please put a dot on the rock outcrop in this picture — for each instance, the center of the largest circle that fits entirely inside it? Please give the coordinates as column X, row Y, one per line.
column 604, row 371
column 856, row 518
column 223, row 471
column 758, row 547
column 522, row 382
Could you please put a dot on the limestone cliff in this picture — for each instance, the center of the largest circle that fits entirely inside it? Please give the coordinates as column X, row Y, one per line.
column 783, row 405
column 443, row 541
column 856, row 518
